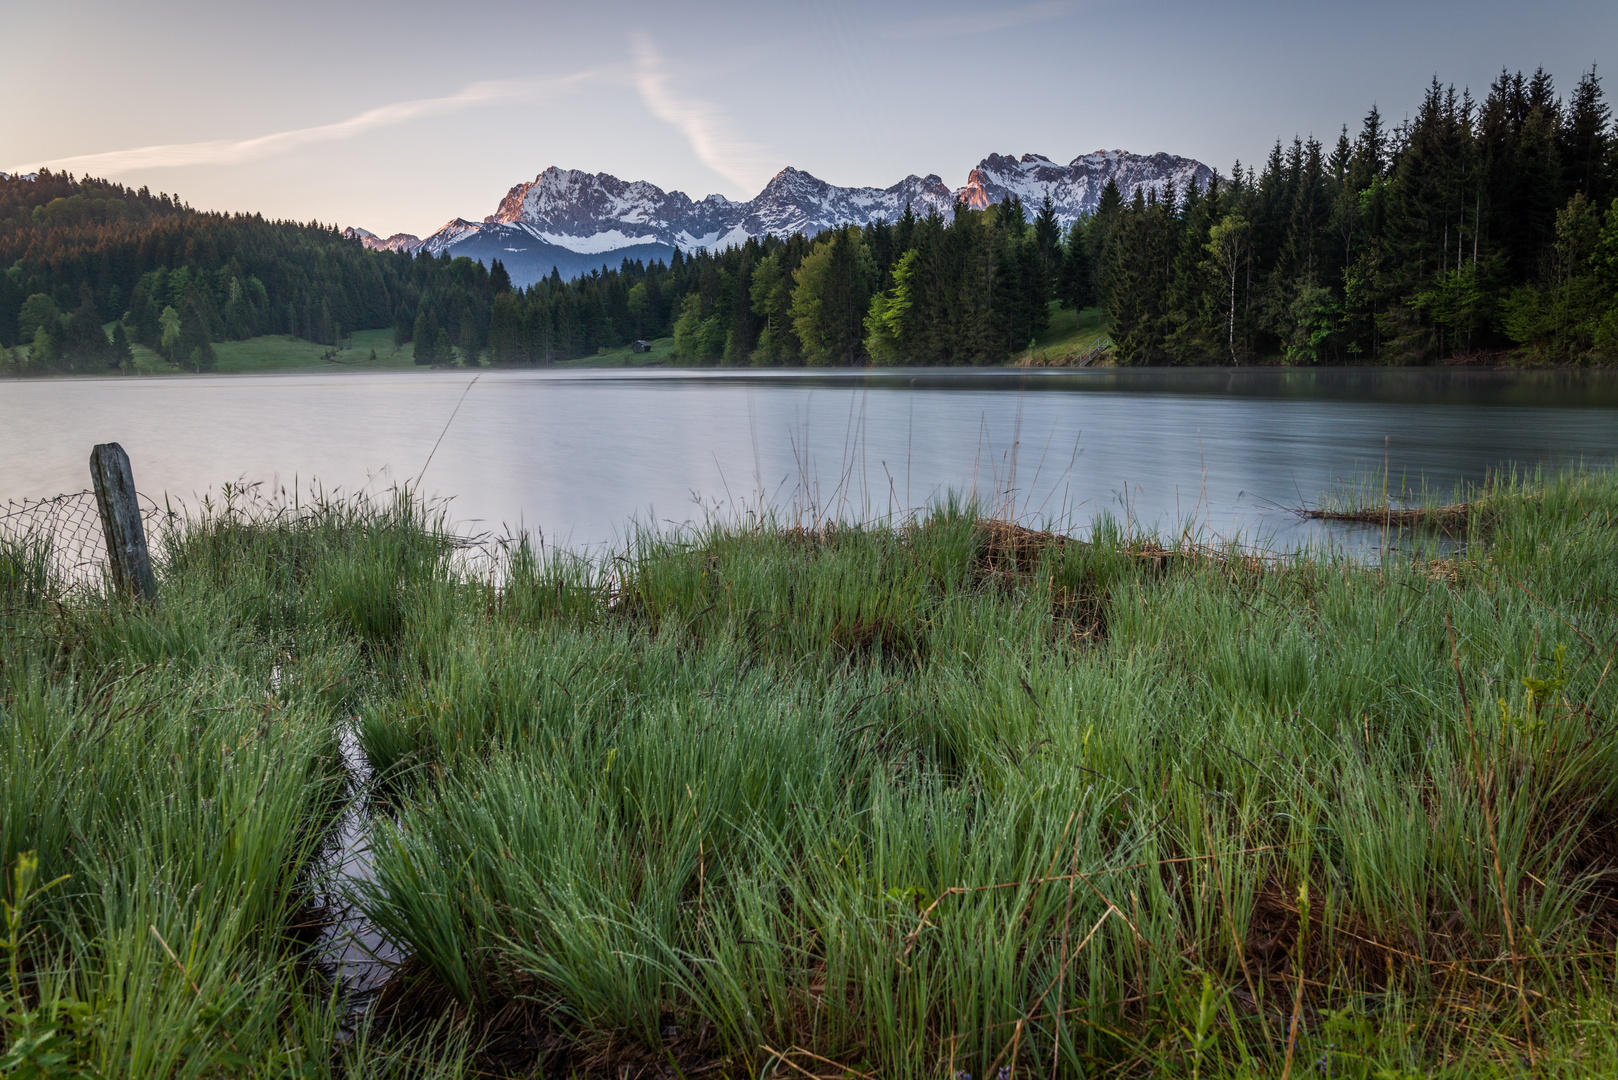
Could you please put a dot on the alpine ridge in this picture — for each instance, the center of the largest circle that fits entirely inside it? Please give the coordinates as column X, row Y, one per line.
column 572, row 221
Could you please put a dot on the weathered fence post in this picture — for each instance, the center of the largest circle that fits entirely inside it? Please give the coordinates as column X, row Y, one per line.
column 120, row 518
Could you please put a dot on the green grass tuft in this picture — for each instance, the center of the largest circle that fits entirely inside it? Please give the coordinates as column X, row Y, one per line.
column 915, row 798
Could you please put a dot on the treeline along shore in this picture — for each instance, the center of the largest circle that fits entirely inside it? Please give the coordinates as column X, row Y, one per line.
column 922, row 798
column 1474, row 230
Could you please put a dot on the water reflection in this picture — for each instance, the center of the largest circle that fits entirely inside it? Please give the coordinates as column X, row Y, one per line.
column 578, row 454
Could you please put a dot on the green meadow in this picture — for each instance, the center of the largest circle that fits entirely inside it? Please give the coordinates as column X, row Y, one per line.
column 281, row 353
column 363, row 350
column 935, row 797
column 1072, row 334
column 662, row 352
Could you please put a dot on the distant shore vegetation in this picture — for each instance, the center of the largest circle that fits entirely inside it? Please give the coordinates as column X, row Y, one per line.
column 1474, row 231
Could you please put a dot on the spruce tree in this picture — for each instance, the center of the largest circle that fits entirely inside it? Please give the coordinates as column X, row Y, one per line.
column 1078, row 288
column 122, row 356
column 85, row 343
column 1136, row 279
column 505, row 330
column 193, row 348
column 1585, row 144
column 468, row 338
column 143, row 315
column 499, row 279
column 1048, row 248
column 425, row 336
column 1370, row 160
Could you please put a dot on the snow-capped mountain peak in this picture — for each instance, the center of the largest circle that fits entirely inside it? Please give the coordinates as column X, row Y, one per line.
column 1075, row 188
column 564, row 215
column 369, row 239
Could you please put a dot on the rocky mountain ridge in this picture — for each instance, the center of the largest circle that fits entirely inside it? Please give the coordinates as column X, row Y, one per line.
column 396, row 242
column 567, row 216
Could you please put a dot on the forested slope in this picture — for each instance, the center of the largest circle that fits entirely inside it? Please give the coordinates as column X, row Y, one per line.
column 1475, row 230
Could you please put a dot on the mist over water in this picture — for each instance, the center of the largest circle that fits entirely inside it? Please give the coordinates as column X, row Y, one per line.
column 577, row 455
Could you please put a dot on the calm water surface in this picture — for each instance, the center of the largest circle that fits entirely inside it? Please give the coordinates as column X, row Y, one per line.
column 578, row 454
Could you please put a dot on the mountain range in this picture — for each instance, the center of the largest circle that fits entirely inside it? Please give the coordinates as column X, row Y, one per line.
column 575, row 221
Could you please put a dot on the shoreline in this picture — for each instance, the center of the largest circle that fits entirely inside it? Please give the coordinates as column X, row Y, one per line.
column 337, row 367
column 878, row 758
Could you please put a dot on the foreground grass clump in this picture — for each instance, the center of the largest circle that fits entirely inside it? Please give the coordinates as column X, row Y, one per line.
column 941, row 798
column 170, row 773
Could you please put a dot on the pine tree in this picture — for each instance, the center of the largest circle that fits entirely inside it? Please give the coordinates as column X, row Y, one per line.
column 143, row 314
column 468, row 338
column 1136, row 279
column 193, row 347
column 1078, row 289
column 425, row 335
column 1108, row 210
column 1192, row 324
column 505, row 330
column 122, row 356
column 499, row 279
column 1048, row 248
column 1518, row 130
column 1370, row 152
column 1585, row 143
column 539, row 328
column 742, row 334
column 84, row 344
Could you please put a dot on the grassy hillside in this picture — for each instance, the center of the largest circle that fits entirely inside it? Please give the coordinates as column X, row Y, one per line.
column 280, row 353
column 623, row 356
column 931, row 799
column 1072, row 334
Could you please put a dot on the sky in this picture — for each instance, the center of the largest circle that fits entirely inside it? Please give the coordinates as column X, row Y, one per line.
column 398, row 116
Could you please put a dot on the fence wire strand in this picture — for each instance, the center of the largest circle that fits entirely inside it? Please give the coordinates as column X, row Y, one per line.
column 68, row 531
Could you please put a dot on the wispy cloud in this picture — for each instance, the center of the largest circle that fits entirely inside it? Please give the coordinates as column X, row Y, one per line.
column 711, row 134
column 236, row 151
column 977, row 22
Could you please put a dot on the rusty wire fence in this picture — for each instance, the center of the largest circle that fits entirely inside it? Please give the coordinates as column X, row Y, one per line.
column 62, row 537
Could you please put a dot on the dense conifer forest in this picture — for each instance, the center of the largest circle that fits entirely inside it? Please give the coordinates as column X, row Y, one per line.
column 1473, row 230
column 82, row 253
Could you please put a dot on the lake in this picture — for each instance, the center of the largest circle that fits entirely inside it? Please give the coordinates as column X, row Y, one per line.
column 578, row 454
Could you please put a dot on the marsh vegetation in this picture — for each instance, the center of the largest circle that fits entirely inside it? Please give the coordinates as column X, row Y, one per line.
column 941, row 796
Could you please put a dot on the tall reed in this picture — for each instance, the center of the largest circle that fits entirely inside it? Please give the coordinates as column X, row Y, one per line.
column 928, row 797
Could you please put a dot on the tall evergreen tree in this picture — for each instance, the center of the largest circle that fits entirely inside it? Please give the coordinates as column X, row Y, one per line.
column 425, row 336
column 1585, row 144
column 467, row 339
column 120, row 355
column 1047, row 244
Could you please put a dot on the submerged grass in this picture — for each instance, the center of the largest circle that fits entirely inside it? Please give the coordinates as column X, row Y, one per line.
column 945, row 797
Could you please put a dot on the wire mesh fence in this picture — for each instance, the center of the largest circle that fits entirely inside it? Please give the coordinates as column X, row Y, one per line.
column 58, row 544
column 64, row 533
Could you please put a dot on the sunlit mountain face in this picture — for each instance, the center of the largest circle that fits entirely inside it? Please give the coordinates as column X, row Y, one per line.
column 571, row 221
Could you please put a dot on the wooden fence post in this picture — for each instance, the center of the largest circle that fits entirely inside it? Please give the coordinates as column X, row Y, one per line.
column 121, row 520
